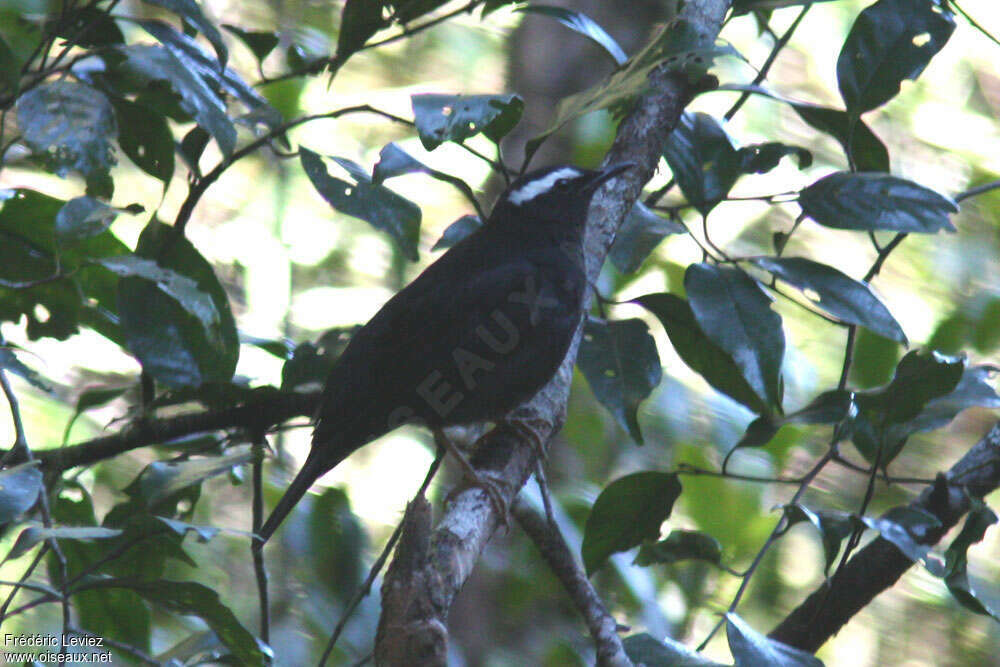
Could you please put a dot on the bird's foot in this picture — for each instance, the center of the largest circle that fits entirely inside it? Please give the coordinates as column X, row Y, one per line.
column 492, row 488
column 527, row 426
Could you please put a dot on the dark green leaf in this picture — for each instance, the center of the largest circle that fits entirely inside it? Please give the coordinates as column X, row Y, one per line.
column 871, row 201
column 646, row 650
column 698, row 351
column 681, row 545
column 192, row 146
column 281, row 349
column 906, row 528
column 91, row 398
column 407, row 10
column 752, row 649
column 161, row 479
column 735, row 314
column 843, row 297
column 19, row 487
column 762, row 158
column 866, row 150
column 890, row 41
column 583, row 24
column 10, row 362
column 192, row 15
column 620, row 362
column 457, row 231
column 260, row 43
column 920, row 377
column 337, row 542
column 394, row 161
column 157, row 63
column 81, row 218
column 202, row 533
column 359, row 20
column 376, row 204
column 759, row 432
column 305, row 367
column 441, row 118
column 33, row 535
column 70, row 126
column 972, row 390
column 146, row 139
column 177, row 321
column 639, row 234
column 980, row 518
column 830, row 407
column 628, row 511
column 87, row 26
column 190, row 598
column 745, row 6
column 702, row 159
column 833, row 527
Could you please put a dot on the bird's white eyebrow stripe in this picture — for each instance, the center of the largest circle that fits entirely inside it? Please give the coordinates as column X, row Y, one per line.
column 529, row 191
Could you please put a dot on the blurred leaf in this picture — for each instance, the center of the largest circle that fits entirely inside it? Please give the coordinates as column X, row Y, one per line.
column 19, row 488
column 407, row 10
column 176, row 319
column 33, row 535
column 890, row 40
column 628, row 511
column 305, row 367
column 698, row 352
column 193, row 599
column 81, row 218
column 647, row 650
column 875, row 359
column 620, row 362
column 979, row 519
column 762, row 158
column 192, row 15
column 260, row 43
column 972, row 390
column 681, row 545
column 583, row 24
column 906, row 528
column 919, row 378
column 752, row 649
column 376, row 204
column 866, row 150
column 88, row 27
column 847, row 299
column 91, row 398
column 337, row 543
column 202, row 533
column 735, row 314
column 359, row 20
column 192, row 146
column 394, row 161
column 639, row 234
column 280, row 348
column 833, row 527
column 986, row 331
column 70, row 126
column 871, row 201
column 161, row 479
column 745, row 6
column 458, row 230
column 146, row 139
column 10, row 362
column 441, row 118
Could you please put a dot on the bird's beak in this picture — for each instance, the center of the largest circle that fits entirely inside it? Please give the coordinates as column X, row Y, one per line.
column 607, row 173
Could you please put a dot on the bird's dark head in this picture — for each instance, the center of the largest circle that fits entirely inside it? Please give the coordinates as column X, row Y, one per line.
column 556, row 191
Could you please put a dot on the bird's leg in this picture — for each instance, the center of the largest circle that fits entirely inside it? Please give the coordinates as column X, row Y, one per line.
column 489, row 487
column 520, row 421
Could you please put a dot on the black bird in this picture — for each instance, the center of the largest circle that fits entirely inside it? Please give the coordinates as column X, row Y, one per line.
column 479, row 332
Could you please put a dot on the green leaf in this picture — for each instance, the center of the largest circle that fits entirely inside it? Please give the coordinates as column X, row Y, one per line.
column 583, row 24
column 70, row 126
column 972, row 390
column 458, row 230
column 146, row 139
column 376, row 204
column 19, row 488
column 192, row 15
column 176, row 319
column 260, row 43
column 620, row 362
column 87, row 26
column 830, row 407
column 33, row 535
column 843, row 297
column 193, row 599
column 890, row 41
column 91, row 398
column 871, row 201
column 647, row 650
column 750, row 648
column 866, row 150
column 906, row 528
column 697, row 351
column 920, row 377
column 833, row 528
column 681, row 545
column 10, row 362
column 305, row 367
column 202, row 533
column 628, row 511
column 157, row 63
column 702, row 159
column 762, row 158
column 337, row 543
column 735, row 314
column 979, row 519
column 640, row 233
column 441, row 118
column 162, row 479
column 359, row 20
column 83, row 217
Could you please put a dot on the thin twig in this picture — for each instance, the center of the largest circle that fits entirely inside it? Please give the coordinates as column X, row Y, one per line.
column 257, row 511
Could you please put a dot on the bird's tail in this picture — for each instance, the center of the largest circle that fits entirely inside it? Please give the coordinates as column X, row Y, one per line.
column 314, row 468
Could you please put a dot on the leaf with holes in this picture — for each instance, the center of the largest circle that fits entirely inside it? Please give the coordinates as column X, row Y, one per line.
column 696, row 350
column 873, row 201
column 620, row 362
column 375, row 204
column 735, row 314
column 890, row 41
column 441, row 118
column 628, row 511
column 843, row 297
column 639, row 234
column 146, row 139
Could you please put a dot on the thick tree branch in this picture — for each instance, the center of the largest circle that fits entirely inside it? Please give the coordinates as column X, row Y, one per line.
column 880, row 564
column 419, row 596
